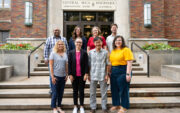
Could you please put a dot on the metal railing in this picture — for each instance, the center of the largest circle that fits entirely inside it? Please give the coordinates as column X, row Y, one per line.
column 147, row 54
column 29, row 57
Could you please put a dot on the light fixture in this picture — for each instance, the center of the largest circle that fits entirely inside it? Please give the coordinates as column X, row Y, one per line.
column 147, row 15
column 28, row 13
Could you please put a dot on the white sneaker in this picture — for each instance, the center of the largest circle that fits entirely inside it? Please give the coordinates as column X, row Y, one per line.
column 75, row 110
column 82, row 110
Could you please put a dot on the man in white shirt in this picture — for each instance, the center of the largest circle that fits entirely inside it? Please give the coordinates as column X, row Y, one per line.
column 111, row 37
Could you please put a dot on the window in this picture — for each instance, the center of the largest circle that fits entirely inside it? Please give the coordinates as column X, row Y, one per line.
column 28, row 13
column 5, row 3
column 71, row 16
column 3, row 36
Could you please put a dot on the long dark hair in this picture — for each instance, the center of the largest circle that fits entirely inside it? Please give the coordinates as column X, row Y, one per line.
column 74, row 36
column 123, row 42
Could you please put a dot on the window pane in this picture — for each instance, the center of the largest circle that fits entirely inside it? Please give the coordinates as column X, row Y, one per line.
column 71, row 16
column 88, row 16
column 70, row 29
column 105, row 30
column 7, row 3
column 1, row 37
column 87, row 31
column 5, row 36
column 105, row 17
column 1, row 3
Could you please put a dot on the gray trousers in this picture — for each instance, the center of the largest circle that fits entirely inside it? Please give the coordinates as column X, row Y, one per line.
column 103, row 87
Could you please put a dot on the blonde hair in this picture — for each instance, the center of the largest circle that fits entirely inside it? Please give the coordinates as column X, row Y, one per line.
column 96, row 27
column 55, row 49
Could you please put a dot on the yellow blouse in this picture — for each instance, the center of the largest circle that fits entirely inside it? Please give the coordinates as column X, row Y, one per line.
column 121, row 56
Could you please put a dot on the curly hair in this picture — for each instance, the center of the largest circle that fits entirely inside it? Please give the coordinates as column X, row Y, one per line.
column 123, row 42
column 55, row 49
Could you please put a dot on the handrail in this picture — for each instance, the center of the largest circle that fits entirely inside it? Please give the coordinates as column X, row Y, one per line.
column 147, row 54
column 29, row 56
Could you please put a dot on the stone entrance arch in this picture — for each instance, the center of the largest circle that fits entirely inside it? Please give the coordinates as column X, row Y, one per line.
column 119, row 7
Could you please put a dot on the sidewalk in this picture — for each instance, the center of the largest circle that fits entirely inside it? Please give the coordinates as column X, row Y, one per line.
column 174, row 110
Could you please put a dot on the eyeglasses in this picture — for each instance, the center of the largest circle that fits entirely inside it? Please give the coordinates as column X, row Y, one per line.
column 79, row 42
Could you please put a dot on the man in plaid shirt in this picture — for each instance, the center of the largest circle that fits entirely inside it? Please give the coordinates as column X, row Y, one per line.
column 50, row 43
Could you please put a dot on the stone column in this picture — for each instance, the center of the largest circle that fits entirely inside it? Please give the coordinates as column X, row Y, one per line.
column 55, row 16
column 121, row 18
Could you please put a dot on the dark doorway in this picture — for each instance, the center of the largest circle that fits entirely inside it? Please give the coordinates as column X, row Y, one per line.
column 86, row 20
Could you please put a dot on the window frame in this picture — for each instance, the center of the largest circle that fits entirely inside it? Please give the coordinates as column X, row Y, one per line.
column 3, row 4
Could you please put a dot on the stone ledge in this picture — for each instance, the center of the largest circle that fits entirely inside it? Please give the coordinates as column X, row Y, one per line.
column 171, row 72
column 148, row 39
column 5, row 72
column 5, row 21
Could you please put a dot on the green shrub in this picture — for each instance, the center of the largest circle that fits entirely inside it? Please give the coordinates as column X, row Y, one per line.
column 159, row 46
column 21, row 46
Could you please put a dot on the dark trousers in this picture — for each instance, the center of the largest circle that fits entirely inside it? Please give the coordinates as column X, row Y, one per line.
column 78, row 86
column 119, row 87
column 57, row 91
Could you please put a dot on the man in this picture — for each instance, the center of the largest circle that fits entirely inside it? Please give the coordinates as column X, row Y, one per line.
column 111, row 37
column 50, row 42
column 98, row 59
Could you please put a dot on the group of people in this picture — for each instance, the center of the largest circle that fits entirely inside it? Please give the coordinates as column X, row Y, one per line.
column 96, row 60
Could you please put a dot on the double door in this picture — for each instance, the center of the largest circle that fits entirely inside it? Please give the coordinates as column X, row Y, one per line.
column 87, row 20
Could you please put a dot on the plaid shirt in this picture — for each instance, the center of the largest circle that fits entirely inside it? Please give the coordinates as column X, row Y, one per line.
column 50, row 43
column 98, row 62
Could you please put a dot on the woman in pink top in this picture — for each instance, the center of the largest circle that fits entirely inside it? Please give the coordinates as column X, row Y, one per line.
column 78, row 73
column 95, row 33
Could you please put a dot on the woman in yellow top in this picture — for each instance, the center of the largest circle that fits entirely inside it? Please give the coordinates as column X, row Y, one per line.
column 121, row 60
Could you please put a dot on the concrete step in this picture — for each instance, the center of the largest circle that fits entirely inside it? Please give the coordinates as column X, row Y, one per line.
column 150, row 110
column 46, row 69
column 46, row 73
column 44, row 65
column 68, row 85
column 67, row 103
column 68, row 93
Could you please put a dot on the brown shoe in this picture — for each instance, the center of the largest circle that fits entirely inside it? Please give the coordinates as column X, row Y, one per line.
column 93, row 111
column 105, row 111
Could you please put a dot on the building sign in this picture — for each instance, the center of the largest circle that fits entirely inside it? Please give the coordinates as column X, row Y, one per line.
column 89, row 5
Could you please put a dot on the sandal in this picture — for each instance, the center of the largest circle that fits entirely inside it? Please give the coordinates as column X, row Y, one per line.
column 55, row 111
column 114, row 108
column 122, row 111
column 60, row 110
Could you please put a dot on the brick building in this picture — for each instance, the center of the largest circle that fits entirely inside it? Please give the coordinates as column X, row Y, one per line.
column 66, row 14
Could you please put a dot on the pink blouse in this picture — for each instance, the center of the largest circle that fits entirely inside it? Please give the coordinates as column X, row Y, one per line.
column 78, row 65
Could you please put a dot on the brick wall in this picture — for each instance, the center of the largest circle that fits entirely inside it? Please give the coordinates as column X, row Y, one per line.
column 137, row 19
column 172, row 19
column 5, row 15
column 174, row 44
column 38, row 29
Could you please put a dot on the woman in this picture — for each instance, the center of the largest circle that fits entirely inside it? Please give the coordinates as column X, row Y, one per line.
column 95, row 33
column 121, row 60
column 77, row 33
column 58, row 62
column 78, row 73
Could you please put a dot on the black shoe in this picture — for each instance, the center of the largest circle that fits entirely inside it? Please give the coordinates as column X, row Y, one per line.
column 93, row 111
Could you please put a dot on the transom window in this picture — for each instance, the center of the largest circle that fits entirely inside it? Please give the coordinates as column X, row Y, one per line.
column 5, row 3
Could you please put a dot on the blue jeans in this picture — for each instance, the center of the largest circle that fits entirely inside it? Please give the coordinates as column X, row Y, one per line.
column 57, row 91
column 50, row 81
column 119, row 86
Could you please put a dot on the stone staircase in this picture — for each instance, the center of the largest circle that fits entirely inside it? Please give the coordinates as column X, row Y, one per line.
column 22, row 93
